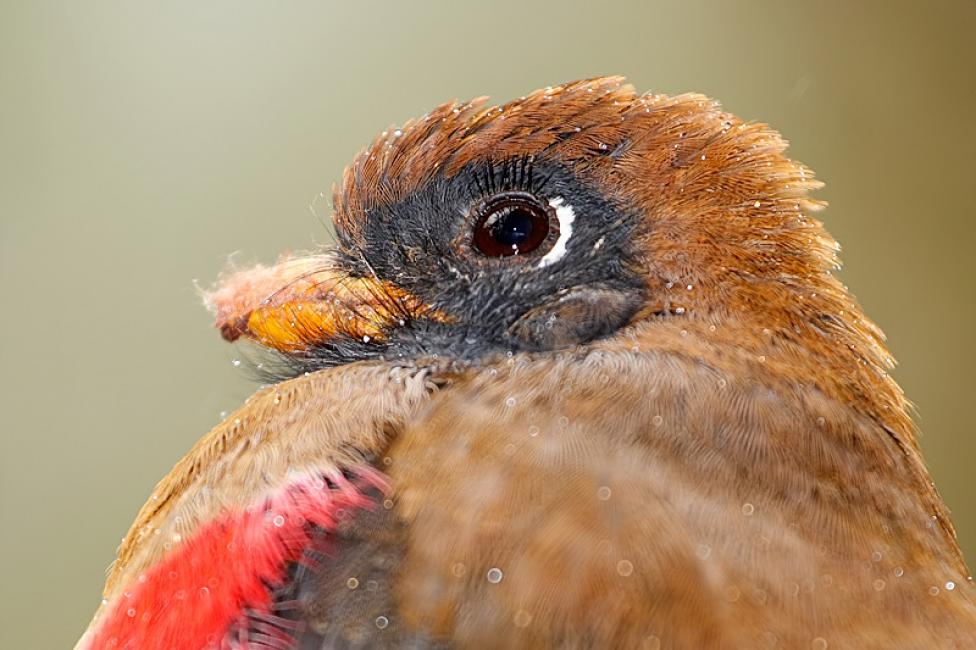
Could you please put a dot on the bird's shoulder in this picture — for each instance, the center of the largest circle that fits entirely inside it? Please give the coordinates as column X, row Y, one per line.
column 552, row 475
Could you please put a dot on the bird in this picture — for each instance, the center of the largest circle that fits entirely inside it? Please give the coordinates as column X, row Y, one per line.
column 578, row 372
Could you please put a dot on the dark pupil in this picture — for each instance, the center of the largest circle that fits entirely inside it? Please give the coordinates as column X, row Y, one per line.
column 511, row 225
column 513, row 228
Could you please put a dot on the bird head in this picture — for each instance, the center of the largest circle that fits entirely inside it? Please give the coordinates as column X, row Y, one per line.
column 578, row 213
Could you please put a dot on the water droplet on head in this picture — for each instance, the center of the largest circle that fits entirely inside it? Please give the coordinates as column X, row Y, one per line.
column 382, row 622
column 625, row 567
column 494, row 575
column 603, row 494
column 748, row 509
column 950, row 585
column 235, row 362
column 651, row 642
column 522, row 618
column 352, row 583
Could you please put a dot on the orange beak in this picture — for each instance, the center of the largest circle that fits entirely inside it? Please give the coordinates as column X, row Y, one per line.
column 301, row 302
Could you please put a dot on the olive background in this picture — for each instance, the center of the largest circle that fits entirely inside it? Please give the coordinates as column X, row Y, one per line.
column 142, row 143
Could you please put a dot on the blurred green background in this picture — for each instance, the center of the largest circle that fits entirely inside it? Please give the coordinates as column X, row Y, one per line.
column 141, row 144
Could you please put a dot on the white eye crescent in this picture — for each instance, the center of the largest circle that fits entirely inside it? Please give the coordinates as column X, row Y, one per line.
column 566, row 216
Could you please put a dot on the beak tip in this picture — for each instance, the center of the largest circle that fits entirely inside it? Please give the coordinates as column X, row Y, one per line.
column 230, row 331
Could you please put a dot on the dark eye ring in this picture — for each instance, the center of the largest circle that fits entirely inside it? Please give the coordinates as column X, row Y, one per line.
column 513, row 223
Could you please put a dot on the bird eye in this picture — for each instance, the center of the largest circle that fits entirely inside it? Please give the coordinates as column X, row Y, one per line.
column 514, row 223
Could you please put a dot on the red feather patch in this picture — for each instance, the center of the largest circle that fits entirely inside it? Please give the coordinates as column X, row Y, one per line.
column 226, row 570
